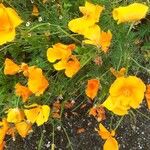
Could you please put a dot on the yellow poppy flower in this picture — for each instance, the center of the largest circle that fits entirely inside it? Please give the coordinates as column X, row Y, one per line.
column 91, row 11
column 15, row 115
column 79, row 25
column 37, row 113
column 92, row 35
column 59, row 51
column 10, row 68
column 131, row 13
column 9, row 20
column 23, row 128
column 92, row 88
column 91, row 14
column 22, row 91
column 95, row 36
column 125, row 92
column 111, row 142
column 37, row 83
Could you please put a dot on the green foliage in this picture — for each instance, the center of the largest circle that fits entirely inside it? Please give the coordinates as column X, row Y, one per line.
column 34, row 37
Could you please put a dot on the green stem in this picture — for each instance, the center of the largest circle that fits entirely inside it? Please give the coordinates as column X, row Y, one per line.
column 111, row 121
column 59, row 27
column 143, row 114
column 40, row 142
column 39, row 25
column 70, row 144
column 69, row 35
column 119, row 122
column 78, row 106
column 53, row 138
column 7, row 46
column 140, row 65
column 130, row 28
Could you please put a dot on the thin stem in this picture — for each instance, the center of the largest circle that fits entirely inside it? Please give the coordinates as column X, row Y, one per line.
column 7, row 46
column 70, row 144
column 39, row 25
column 40, row 142
column 130, row 28
column 59, row 27
column 53, row 138
column 78, row 105
column 140, row 65
column 119, row 122
column 69, row 35
column 17, row 101
column 111, row 121
column 143, row 114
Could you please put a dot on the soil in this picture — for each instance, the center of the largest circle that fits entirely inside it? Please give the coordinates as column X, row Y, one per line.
column 79, row 128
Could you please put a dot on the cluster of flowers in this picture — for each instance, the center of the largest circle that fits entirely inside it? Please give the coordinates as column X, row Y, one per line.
column 126, row 92
column 21, row 120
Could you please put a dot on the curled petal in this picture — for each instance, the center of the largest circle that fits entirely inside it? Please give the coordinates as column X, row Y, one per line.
column 92, row 88
column 10, row 67
column 23, row 128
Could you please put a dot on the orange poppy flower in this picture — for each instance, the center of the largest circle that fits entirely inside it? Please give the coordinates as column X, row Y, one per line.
column 22, row 91
column 37, row 113
column 37, row 83
column 15, row 115
column 23, row 128
column 119, row 73
column 125, row 93
column 147, row 95
column 92, row 88
column 95, row 36
column 9, row 20
column 111, row 142
column 10, row 67
column 67, row 61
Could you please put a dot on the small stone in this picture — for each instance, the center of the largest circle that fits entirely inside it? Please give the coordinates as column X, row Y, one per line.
column 60, row 17
column 40, row 19
column 58, row 128
column 44, row 131
column 28, row 24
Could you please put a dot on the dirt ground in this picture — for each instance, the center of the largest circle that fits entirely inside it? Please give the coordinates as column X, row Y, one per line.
column 77, row 131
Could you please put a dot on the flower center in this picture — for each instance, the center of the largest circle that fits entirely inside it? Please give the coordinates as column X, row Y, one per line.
column 126, row 92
